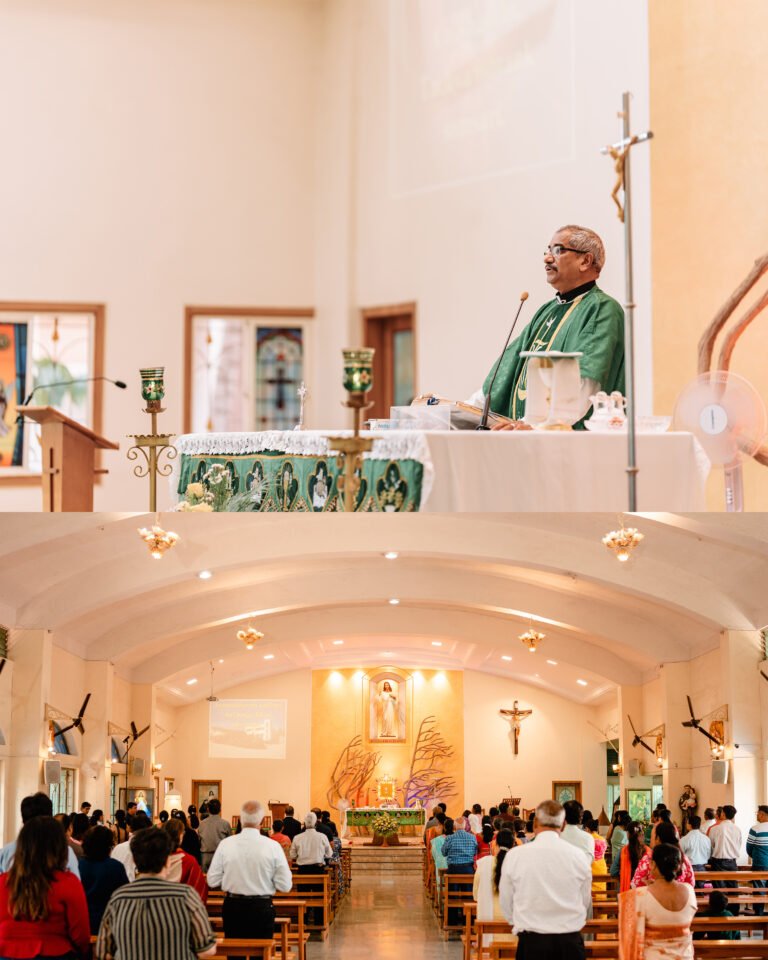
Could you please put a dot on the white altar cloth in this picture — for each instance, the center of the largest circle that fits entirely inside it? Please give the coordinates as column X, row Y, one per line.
column 540, row 471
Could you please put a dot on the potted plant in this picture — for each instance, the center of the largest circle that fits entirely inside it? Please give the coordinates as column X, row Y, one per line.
column 385, row 829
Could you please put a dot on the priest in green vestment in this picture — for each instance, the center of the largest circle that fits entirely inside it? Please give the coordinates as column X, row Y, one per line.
column 581, row 318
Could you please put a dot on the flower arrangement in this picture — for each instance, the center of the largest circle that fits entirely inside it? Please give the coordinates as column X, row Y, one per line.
column 384, row 824
column 214, row 494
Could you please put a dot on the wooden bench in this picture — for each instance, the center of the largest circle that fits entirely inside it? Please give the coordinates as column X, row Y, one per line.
column 289, row 923
column 248, row 949
column 457, row 898
column 318, row 900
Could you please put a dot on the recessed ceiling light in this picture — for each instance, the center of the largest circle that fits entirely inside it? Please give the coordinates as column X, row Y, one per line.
column 437, row 643
column 582, row 683
column 269, row 656
column 387, row 653
column 552, row 662
column 337, row 643
column 192, row 682
column 391, row 555
column 506, row 657
column 221, row 660
column 205, row 575
column 394, row 601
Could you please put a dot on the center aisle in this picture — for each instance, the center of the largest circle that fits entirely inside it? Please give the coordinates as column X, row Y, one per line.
column 385, row 918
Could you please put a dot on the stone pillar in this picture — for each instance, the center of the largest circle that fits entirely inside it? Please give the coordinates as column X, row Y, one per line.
column 28, row 747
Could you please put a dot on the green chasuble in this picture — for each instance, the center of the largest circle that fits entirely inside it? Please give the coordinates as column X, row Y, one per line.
column 592, row 324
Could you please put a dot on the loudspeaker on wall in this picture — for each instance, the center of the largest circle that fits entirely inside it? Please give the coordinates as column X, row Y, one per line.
column 634, row 768
column 137, row 767
column 51, row 771
column 719, row 771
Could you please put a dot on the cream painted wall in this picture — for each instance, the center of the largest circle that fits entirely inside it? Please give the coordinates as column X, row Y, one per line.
column 186, row 756
column 557, row 730
column 710, row 194
column 231, row 152
column 456, row 218
column 163, row 155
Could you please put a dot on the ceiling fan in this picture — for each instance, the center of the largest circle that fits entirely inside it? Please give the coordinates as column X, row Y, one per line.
column 696, row 724
column 2, row 664
column 638, row 739
column 77, row 722
column 132, row 737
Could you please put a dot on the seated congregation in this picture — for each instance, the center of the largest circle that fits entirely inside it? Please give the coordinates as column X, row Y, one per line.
column 73, row 887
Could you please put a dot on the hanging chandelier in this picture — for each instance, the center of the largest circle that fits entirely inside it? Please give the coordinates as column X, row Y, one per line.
column 158, row 540
column 531, row 638
column 250, row 637
column 623, row 541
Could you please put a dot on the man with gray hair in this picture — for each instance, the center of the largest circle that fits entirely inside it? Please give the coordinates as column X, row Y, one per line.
column 310, row 849
column 581, row 319
column 250, row 868
column 545, row 891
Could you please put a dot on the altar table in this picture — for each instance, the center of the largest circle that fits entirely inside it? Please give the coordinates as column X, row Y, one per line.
column 456, row 471
column 405, row 816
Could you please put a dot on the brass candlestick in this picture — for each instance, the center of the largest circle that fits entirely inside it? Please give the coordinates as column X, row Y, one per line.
column 152, row 445
column 358, row 380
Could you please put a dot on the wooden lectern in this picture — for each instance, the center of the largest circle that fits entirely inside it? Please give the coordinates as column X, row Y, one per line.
column 277, row 810
column 69, row 459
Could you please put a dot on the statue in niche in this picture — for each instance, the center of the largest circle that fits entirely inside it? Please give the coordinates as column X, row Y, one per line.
column 387, row 703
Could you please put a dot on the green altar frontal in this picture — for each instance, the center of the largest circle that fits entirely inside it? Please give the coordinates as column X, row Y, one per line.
column 294, row 472
column 405, row 816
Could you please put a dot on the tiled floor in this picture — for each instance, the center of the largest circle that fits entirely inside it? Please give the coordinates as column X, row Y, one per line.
column 386, row 918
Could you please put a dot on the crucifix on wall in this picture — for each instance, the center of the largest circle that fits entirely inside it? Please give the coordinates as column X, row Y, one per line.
column 514, row 716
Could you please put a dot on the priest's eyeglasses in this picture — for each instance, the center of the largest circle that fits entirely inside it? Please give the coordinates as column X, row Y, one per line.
column 558, row 250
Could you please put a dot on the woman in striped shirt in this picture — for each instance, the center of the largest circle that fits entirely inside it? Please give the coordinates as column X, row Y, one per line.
column 153, row 917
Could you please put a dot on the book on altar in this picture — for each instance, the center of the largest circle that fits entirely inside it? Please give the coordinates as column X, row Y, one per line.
column 455, row 414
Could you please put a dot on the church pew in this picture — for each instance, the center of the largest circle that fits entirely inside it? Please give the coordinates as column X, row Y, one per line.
column 318, row 900
column 455, row 898
column 703, row 950
column 248, row 949
column 289, row 923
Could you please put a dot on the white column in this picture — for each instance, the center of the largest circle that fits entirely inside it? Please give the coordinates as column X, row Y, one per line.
column 678, row 764
column 96, row 766
column 28, row 747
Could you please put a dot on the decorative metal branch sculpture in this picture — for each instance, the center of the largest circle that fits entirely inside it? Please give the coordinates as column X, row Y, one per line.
column 426, row 777
column 707, row 342
column 352, row 772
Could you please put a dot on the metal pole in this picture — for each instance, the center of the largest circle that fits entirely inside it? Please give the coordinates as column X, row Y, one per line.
column 629, row 321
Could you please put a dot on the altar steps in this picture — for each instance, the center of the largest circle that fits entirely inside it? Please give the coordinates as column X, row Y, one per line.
column 400, row 860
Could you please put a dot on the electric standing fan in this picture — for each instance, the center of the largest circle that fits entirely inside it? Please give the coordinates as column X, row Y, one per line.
column 728, row 418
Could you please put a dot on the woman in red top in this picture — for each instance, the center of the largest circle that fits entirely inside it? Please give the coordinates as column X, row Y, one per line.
column 484, row 842
column 182, row 866
column 43, row 910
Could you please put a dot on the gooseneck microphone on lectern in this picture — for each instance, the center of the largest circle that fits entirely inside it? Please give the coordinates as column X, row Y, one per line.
column 483, row 425
column 66, row 383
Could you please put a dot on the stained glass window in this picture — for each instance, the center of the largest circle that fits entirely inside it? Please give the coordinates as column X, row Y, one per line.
column 245, row 372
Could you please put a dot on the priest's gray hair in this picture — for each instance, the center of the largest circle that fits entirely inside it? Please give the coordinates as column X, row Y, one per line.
column 252, row 813
column 310, row 820
column 582, row 238
column 550, row 813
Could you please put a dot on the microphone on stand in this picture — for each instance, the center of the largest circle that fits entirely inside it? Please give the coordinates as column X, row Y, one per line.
column 66, row 383
column 483, row 425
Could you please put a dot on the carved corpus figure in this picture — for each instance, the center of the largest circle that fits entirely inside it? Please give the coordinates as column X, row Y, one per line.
column 515, row 716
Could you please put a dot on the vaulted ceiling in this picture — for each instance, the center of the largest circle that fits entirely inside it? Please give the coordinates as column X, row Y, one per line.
column 320, row 589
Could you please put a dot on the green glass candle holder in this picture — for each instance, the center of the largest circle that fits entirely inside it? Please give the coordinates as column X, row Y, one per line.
column 358, row 369
column 153, row 386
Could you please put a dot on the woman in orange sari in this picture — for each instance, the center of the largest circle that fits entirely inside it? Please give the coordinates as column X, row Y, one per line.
column 655, row 921
column 632, row 853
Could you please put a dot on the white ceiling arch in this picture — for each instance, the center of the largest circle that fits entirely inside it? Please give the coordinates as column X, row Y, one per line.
column 466, row 585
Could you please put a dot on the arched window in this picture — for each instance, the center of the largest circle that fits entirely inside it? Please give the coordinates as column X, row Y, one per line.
column 115, row 754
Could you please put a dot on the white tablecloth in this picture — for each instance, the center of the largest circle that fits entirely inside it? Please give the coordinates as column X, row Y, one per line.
column 525, row 471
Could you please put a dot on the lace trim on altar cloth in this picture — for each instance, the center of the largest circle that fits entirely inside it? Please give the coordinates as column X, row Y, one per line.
column 396, row 445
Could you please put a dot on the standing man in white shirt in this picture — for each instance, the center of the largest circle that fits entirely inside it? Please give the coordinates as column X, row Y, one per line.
column 574, row 833
column 122, row 852
column 309, row 850
column 546, row 890
column 696, row 845
column 726, row 850
column 250, row 869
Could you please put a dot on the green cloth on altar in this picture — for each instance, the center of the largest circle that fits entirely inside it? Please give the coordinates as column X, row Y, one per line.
column 405, row 816
column 309, row 483
column 592, row 324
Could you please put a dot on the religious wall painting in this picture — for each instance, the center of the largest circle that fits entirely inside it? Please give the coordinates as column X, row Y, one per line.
column 169, row 785
column 203, row 791
column 54, row 350
column 143, row 797
column 387, row 708
column 565, row 790
column 640, row 804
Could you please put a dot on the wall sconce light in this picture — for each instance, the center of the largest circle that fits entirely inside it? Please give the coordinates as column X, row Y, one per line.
column 617, row 768
column 156, row 767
